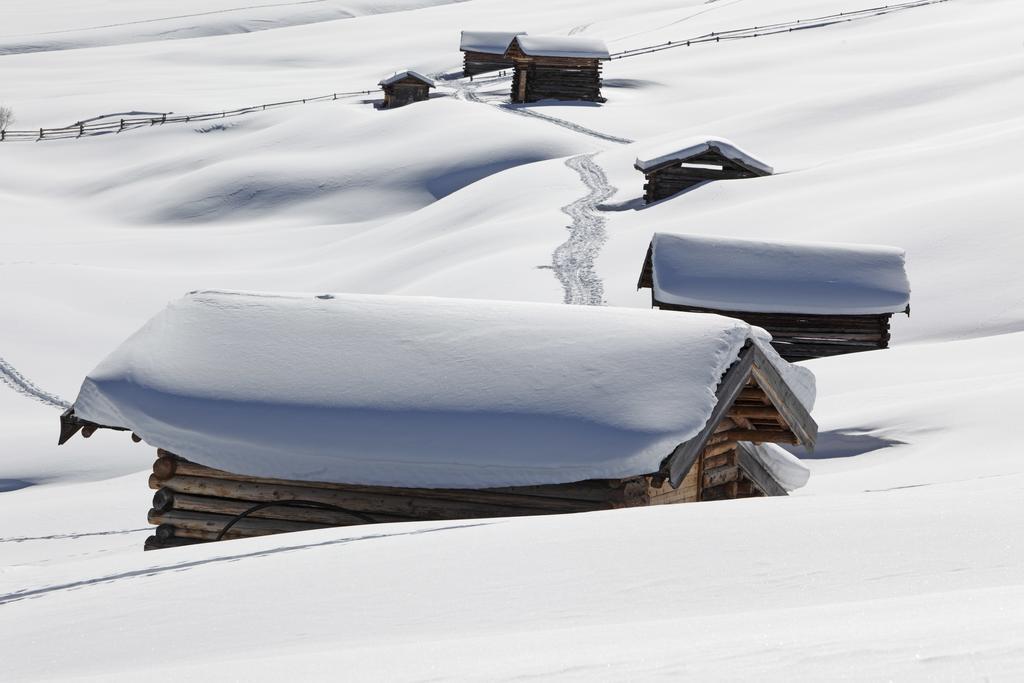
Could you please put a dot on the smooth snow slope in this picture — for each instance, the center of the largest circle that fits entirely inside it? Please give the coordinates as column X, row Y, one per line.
column 898, row 560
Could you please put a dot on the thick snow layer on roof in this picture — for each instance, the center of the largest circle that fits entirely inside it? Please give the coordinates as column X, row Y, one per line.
column 681, row 150
column 785, row 468
column 405, row 74
column 407, row 391
column 778, row 277
column 582, row 47
column 492, row 42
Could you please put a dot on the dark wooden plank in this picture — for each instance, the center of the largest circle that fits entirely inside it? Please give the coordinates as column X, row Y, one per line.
column 682, row 458
column 755, row 470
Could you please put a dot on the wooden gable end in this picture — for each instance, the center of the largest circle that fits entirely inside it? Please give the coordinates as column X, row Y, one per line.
column 754, row 404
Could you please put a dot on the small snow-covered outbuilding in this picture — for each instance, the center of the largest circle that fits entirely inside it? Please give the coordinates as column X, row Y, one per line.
column 484, row 51
column 557, row 68
column 815, row 299
column 674, row 167
column 405, row 87
column 298, row 412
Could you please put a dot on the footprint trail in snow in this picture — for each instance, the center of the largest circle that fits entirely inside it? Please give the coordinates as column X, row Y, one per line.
column 573, row 260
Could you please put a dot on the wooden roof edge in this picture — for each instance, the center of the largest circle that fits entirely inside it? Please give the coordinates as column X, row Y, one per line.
column 646, row 280
column 692, row 158
column 797, row 417
column 679, row 462
column 71, row 424
column 751, row 464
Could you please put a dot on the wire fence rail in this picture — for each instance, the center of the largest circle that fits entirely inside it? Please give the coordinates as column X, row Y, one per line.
column 118, row 125
column 773, row 29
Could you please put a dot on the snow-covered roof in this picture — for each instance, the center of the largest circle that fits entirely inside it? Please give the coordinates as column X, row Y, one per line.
column 419, row 392
column 406, row 74
column 681, row 150
column 491, row 42
column 778, row 277
column 581, row 47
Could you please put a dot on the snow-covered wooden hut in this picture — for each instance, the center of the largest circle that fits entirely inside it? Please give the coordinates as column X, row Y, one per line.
column 278, row 413
column 484, row 51
column 815, row 299
column 677, row 166
column 557, row 68
column 405, row 87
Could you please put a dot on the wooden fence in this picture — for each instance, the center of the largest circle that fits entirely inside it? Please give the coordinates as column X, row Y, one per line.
column 112, row 125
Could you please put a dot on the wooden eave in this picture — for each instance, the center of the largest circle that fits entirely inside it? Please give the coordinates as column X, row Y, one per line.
column 647, row 272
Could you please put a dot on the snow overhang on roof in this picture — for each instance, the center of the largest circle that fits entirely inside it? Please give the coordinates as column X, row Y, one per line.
column 417, row 392
column 407, row 74
column 682, row 150
column 579, row 47
column 778, row 277
column 490, row 42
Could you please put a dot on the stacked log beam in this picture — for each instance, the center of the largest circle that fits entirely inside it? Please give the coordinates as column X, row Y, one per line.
column 798, row 336
column 475, row 63
column 194, row 503
column 557, row 79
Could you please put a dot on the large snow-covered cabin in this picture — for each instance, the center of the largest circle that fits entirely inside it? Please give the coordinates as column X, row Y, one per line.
column 484, row 51
column 405, row 87
column 678, row 166
column 276, row 413
column 815, row 299
column 556, row 68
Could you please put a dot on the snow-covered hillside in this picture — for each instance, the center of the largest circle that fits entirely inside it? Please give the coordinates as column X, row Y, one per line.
column 900, row 559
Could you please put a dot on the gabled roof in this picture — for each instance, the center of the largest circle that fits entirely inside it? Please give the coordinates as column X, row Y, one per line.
column 419, row 392
column 406, row 74
column 726, row 274
column 579, row 47
column 490, row 42
column 683, row 151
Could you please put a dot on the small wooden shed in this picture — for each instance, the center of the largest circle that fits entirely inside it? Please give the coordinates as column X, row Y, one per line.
column 556, row 68
column 815, row 299
column 673, row 168
column 277, row 413
column 405, row 87
column 484, row 51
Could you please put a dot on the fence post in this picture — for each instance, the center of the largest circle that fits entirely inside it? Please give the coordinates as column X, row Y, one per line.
column 163, row 119
column 122, row 125
column 40, row 133
column 81, row 129
column 3, row 135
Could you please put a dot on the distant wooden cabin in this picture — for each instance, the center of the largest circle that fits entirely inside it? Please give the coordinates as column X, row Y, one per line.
column 678, row 167
column 556, row 68
column 397, row 409
column 815, row 299
column 484, row 51
column 405, row 87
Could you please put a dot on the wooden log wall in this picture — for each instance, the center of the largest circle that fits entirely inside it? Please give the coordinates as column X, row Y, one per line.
column 194, row 503
column 797, row 336
column 557, row 79
column 475, row 63
column 671, row 180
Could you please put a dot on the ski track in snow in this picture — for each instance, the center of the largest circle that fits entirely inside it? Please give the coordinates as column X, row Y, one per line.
column 573, row 260
column 467, row 91
column 15, row 380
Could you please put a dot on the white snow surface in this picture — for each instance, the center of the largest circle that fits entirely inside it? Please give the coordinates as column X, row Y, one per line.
column 663, row 152
column 490, row 42
column 897, row 561
column 413, row 391
column 583, row 47
column 405, row 74
column 778, row 277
